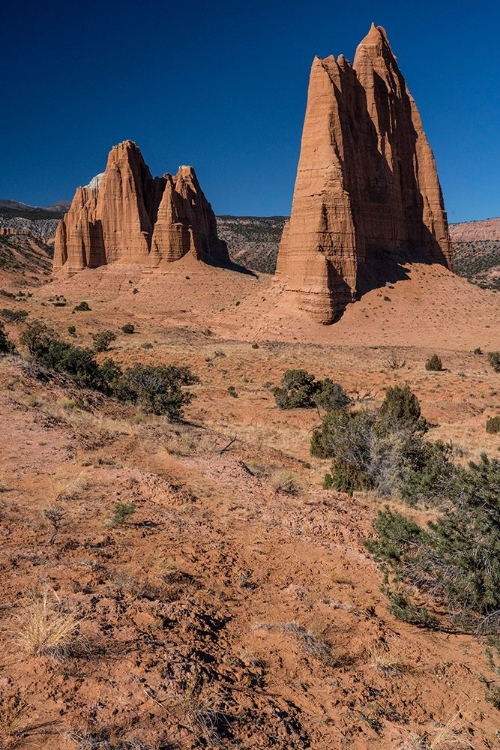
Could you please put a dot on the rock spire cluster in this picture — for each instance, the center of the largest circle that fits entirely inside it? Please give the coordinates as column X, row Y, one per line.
column 125, row 214
column 367, row 191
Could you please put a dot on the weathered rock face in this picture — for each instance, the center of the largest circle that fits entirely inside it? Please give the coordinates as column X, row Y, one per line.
column 126, row 215
column 367, row 188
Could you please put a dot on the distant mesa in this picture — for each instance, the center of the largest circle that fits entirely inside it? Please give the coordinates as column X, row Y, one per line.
column 367, row 194
column 126, row 215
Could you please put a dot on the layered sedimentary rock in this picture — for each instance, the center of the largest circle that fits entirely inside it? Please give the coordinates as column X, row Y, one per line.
column 367, row 189
column 125, row 214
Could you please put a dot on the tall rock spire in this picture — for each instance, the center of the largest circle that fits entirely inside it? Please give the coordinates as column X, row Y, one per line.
column 367, row 189
column 127, row 215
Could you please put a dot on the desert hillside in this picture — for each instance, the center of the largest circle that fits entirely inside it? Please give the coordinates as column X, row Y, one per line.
column 252, row 241
column 476, row 245
column 234, row 603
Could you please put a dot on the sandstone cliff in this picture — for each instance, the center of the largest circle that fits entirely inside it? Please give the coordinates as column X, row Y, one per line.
column 367, row 189
column 126, row 215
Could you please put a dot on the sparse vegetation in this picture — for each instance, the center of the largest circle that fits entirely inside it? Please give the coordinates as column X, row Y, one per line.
column 122, row 513
column 455, row 559
column 102, row 340
column 285, row 482
column 45, row 628
column 475, row 259
column 300, row 389
column 49, row 351
column 54, row 516
column 82, row 307
column 6, row 345
column 395, row 360
column 434, row 364
column 13, row 316
column 385, row 450
column 494, row 360
column 156, row 389
column 493, row 425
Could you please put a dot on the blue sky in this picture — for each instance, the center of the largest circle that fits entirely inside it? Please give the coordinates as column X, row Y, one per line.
column 222, row 86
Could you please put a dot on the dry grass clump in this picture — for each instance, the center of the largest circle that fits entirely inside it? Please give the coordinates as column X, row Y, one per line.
column 311, row 644
column 45, row 629
column 12, row 717
column 181, row 444
column 100, row 739
column 388, row 664
column 70, row 489
column 285, row 482
column 205, row 715
column 449, row 736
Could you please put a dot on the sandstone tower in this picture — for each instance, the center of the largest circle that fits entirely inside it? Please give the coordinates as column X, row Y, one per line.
column 125, row 214
column 367, row 190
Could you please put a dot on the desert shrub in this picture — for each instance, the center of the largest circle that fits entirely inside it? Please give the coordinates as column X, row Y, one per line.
column 328, row 483
column 426, row 478
column 6, row 345
column 49, row 351
column 385, row 450
column 122, row 513
column 255, row 346
column 434, row 364
column 405, row 610
column 37, row 337
column 297, row 390
column 72, row 330
column 232, row 391
column 330, row 396
column 77, row 362
column 456, row 558
column 493, row 425
column 128, row 328
column 477, row 350
column 395, row 360
column 346, row 437
column 300, row 389
column 494, row 360
column 157, row 389
column 82, row 307
column 400, row 406
column 13, row 316
column 102, row 340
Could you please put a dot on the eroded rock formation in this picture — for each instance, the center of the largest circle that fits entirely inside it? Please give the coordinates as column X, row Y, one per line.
column 367, row 189
column 125, row 214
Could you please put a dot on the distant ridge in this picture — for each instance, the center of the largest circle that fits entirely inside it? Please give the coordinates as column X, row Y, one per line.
column 19, row 208
column 476, row 245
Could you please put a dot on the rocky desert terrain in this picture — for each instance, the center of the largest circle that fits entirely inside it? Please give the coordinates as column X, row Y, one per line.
column 237, row 606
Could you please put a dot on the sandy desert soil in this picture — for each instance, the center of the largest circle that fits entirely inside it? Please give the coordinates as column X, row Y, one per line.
column 237, row 607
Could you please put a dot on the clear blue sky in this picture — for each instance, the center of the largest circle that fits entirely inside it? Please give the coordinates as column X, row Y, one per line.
column 222, row 86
